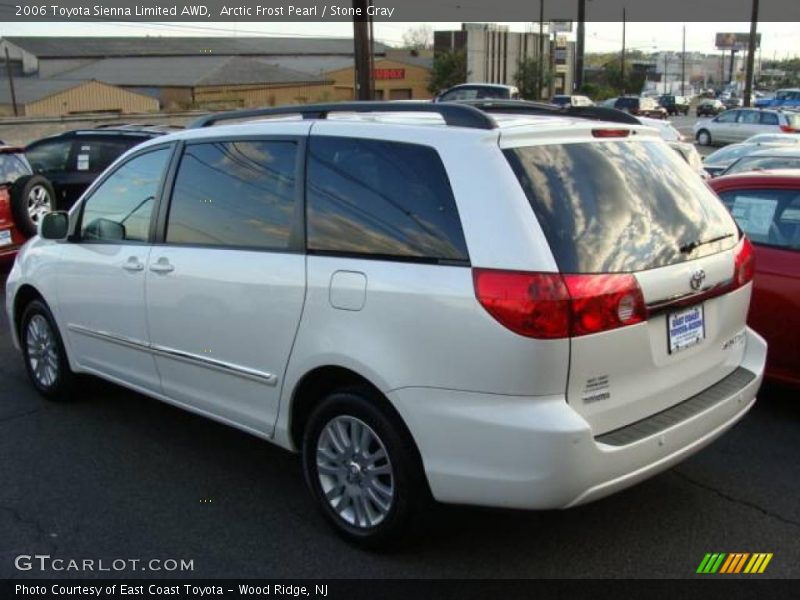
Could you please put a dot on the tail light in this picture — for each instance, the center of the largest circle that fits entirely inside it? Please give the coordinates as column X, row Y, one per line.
column 788, row 129
column 745, row 265
column 552, row 306
column 5, row 204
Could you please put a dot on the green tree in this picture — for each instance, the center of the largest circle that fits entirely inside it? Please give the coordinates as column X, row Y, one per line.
column 527, row 78
column 449, row 69
column 634, row 80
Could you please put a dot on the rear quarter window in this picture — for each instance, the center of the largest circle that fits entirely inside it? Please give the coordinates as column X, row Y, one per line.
column 381, row 199
column 768, row 217
column 615, row 207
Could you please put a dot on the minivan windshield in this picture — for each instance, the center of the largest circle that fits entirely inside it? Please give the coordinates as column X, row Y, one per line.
column 620, row 206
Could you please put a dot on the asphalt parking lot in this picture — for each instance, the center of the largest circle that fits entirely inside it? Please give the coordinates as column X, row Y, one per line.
column 115, row 475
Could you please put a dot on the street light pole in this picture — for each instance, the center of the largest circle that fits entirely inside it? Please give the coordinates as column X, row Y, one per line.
column 540, row 77
column 579, row 44
column 683, row 62
column 622, row 58
column 751, row 53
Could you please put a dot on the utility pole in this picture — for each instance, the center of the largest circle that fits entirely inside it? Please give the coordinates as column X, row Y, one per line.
column 363, row 75
column 751, row 54
column 540, row 77
column 665, row 72
column 11, row 84
column 683, row 61
column 622, row 58
column 579, row 45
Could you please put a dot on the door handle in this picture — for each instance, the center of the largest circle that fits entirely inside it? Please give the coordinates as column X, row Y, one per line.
column 162, row 265
column 133, row 265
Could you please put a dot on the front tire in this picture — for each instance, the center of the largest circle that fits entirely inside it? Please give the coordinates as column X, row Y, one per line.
column 44, row 354
column 362, row 469
column 704, row 137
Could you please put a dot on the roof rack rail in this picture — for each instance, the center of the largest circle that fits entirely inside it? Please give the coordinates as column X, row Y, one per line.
column 526, row 107
column 454, row 115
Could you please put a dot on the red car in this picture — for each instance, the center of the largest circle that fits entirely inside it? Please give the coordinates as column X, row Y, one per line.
column 24, row 198
column 766, row 205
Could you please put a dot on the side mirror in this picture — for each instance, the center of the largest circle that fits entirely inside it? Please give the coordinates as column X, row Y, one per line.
column 104, row 229
column 54, row 226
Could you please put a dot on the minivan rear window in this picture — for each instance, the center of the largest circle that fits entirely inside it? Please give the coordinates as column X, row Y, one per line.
column 622, row 206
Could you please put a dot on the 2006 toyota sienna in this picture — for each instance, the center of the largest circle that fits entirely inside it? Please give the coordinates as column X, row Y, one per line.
column 425, row 300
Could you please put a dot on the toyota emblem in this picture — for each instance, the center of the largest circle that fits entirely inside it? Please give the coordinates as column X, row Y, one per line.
column 698, row 277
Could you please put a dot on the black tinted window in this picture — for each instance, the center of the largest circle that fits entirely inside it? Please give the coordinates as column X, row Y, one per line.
column 619, row 206
column 769, row 217
column 96, row 155
column 769, row 118
column 120, row 209
column 12, row 167
column 381, row 198
column 236, row 194
column 49, row 157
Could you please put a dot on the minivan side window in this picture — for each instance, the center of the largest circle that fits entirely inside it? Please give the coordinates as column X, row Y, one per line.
column 120, row 208
column 237, row 194
column 379, row 198
column 728, row 117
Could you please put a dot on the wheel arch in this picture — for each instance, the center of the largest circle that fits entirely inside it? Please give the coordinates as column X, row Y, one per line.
column 22, row 297
column 319, row 382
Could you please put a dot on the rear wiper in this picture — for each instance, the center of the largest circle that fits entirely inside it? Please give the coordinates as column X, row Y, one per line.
column 692, row 246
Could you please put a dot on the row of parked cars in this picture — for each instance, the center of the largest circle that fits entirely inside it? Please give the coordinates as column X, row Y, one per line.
column 511, row 310
column 51, row 174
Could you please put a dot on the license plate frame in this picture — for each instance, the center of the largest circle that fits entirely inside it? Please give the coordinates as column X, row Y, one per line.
column 686, row 328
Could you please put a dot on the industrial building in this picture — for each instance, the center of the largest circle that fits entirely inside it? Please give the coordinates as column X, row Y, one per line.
column 209, row 73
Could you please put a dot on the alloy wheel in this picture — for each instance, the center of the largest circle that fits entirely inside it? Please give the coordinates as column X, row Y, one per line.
column 355, row 472
column 42, row 351
column 39, row 203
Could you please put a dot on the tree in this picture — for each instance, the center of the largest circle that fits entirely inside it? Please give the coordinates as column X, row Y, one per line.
column 449, row 69
column 634, row 80
column 418, row 38
column 527, row 77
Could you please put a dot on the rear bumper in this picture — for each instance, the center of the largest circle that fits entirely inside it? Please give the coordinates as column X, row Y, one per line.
column 538, row 453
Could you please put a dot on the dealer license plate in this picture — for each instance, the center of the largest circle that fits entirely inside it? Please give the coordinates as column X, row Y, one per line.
column 685, row 328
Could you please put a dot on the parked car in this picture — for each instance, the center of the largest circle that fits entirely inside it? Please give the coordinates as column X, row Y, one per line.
column 665, row 129
column 301, row 279
column 773, row 138
column 24, row 199
column 785, row 98
column 710, row 108
column 674, row 105
column 565, row 100
column 719, row 160
column 478, row 91
column 608, row 103
column 767, row 208
column 740, row 124
column 73, row 160
column 643, row 107
column 690, row 154
column 774, row 157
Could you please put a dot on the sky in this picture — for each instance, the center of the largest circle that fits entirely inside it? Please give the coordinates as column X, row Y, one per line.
column 779, row 40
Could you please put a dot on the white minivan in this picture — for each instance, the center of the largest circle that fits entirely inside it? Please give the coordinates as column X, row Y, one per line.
column 502, row 310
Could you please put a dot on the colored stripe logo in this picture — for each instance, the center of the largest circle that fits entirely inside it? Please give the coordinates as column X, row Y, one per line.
column 734, row 562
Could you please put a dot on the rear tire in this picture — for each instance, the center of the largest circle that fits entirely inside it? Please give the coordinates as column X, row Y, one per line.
column 32, row 197
column 362, row 469
column 44, row 354
column 704, row 137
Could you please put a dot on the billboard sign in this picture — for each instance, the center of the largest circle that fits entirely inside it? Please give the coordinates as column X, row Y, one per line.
column 735, row 41
column 560, row 26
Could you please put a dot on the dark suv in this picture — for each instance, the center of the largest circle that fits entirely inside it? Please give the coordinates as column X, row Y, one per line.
column 24, row 199
column 674, row 105
column 73, row 160
column 641, row 107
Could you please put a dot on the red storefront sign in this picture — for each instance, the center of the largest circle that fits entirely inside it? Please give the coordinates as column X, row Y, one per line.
column 390, row 73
